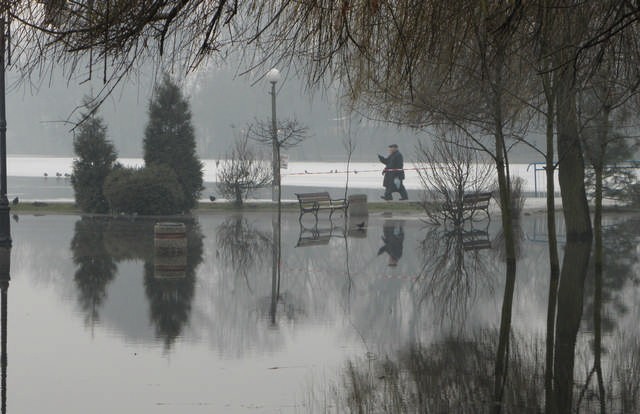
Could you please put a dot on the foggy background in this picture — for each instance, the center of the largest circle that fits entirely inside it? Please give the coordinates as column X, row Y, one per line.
column 222, row 105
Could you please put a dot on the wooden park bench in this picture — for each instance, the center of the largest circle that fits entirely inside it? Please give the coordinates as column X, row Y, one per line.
column 314, row 202
column 473, row 202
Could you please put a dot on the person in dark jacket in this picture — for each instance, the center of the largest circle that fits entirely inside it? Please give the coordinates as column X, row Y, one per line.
column 393, row 174
column 393, row 238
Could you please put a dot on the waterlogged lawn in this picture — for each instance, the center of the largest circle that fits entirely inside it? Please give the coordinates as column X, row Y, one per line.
column 94, row 325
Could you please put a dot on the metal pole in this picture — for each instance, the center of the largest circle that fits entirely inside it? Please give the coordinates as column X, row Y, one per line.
column 275, row 161
column 5, row 259
column 5, row 228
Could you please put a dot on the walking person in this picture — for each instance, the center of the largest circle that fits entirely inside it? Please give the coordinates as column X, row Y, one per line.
column 393, row 174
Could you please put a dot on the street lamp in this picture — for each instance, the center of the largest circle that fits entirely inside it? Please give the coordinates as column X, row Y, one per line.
column 273, row 76
column 5, row 230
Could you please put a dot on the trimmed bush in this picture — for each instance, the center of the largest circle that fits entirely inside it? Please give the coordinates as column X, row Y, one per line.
column 146, row 191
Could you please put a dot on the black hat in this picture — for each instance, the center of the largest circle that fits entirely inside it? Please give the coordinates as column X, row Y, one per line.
column 393, row 146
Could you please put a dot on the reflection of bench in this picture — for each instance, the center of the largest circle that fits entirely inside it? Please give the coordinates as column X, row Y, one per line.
column 476, row 201
column 475, row 240
column 318, row 236
column 314, row 202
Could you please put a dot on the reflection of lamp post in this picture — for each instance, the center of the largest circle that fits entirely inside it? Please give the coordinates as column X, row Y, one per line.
column 5, row 260
column 5, row 231
column 273, row 76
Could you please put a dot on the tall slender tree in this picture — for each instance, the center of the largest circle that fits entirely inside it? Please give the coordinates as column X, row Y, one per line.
column 169, row 139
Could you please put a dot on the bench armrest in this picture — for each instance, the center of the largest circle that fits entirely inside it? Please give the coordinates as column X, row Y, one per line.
column 338, row 201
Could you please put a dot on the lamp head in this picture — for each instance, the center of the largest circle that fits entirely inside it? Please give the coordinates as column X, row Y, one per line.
column 273, row 75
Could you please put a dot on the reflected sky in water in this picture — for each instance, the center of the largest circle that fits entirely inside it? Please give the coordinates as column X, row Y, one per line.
column 93, row 327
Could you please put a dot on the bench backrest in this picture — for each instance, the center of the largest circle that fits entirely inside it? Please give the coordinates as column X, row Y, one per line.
column 476, row 198
column 308, row 197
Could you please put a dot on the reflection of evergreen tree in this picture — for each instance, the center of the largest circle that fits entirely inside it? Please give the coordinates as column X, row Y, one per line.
column 100, row 243
column 619, row 249
column 96, row 268
column 170, row 299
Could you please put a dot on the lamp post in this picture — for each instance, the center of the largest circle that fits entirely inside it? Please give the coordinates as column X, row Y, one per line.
column 5, row 230
column 273, row 76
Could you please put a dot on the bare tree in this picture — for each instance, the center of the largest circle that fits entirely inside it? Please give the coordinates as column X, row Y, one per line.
column 242, row 172
column 290, row 133
column 448, row 170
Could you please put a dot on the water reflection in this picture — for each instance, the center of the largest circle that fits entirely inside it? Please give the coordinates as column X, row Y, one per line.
column 452, row 375
column 96, row 267
column 456, row 266
column 393, row 239
column 242, row 247
column 602, row 377
column 5, row 277
column 430, row 324
column 99, row 244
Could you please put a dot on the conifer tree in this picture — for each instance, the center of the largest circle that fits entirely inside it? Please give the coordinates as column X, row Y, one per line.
column 169, row 139
column 96, row 158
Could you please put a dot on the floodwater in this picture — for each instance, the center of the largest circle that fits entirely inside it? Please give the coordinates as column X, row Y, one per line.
column 96, row 324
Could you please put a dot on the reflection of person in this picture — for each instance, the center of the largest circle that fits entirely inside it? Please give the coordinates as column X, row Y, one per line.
column 393, row 238
column 393, row 174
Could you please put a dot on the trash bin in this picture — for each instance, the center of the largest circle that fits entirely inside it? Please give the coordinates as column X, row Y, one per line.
column 358, row 205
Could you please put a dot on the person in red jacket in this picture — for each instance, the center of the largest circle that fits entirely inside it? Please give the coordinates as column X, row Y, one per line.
column 393, row 174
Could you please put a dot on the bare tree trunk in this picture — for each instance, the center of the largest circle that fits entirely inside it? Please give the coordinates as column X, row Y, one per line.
column 554, row 261
column 597, row 301
column 238, row 200
column 571, row 162
column 502, row 356
column 578, row 248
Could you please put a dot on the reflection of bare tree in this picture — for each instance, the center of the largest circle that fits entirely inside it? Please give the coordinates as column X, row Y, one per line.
column 242, row 246
column 499, row 242
column 623, row 389
column 455, row 267
column 603, row 301
column 568, row 317
column 452, row 376
column 96, row 267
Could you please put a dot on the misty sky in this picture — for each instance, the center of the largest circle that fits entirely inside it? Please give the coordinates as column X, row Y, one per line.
column 222, row 105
